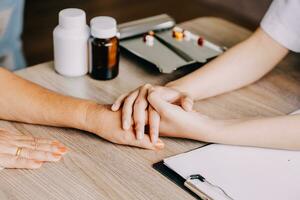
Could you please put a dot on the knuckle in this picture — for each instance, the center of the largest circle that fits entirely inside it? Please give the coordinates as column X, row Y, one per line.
column 158, row 89
column 137, row 102
column 45, row 155
column 139, row 122
column 128, row 101
column 140, row 104
column 153, row 129
column 153, row 114
column 28, row 153
column 126, row 139
column 151, row 96
column 147, row 85
column 117, row 138
column 122, row 139
column 188, row 99
column 31, row 143
column 164, row 113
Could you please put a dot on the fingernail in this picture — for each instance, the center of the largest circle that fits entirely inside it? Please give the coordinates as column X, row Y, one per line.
column 62, row 149
column 159, row 145
column 113, row 107
column 38, row 162
column 55, row 143
column 56, row 156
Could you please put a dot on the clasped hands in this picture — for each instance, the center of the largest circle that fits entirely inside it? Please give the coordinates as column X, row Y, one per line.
column 166, row 111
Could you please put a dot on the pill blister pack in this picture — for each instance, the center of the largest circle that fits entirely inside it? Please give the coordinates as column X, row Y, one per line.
column 169, row 47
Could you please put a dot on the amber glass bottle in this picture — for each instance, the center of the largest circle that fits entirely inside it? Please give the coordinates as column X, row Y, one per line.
column 104, row 49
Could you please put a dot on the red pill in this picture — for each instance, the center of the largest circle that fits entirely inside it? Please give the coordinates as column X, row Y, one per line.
column 200, row 41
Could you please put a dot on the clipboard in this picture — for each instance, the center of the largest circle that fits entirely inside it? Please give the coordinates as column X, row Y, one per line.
column 272, row 175
column 188, row 185
column 174, row 177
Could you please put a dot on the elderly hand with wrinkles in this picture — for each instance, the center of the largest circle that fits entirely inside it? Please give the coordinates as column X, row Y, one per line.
column 22, row 151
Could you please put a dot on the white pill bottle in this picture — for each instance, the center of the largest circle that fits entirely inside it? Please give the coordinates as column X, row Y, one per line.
column 70, row 40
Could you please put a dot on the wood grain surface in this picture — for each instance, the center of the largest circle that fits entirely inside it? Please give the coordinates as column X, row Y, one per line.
column 97, row 169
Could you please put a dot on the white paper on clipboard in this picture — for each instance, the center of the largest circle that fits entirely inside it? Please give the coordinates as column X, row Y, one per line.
column 245, row 173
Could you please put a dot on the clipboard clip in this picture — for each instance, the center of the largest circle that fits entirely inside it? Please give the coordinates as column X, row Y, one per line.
column 189, row 183
column 197, row 176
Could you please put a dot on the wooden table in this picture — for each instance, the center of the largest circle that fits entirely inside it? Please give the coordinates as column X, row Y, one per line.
column 97, row 169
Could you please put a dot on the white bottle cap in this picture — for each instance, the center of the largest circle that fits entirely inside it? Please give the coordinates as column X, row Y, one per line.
column 72, row 18
column 103, row 27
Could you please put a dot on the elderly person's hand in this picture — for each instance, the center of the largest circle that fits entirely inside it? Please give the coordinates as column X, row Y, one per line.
column 101, row 121
column 28, row 152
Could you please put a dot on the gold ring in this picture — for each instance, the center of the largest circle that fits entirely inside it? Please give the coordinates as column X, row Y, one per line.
column 18, row 152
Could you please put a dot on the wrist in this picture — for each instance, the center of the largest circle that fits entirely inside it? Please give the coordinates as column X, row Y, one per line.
column 174, row 86
column 94, row 116
column 215, row 131
column 180, row 88
column 83, row 114
column 208, row 129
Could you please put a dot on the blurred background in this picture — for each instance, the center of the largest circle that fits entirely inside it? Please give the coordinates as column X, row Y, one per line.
column 26, row 25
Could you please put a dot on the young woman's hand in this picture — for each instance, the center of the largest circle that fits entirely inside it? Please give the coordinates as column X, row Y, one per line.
column 28, row 152
column 107, row 124
column 177, row 122
column 136, row 109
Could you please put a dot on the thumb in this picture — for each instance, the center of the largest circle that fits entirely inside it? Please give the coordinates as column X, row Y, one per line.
column 187, row 103
column 160, row 105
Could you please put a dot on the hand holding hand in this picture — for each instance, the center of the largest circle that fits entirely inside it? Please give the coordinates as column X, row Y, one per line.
column 136, row 107
column 107, row 124
column 178, row 122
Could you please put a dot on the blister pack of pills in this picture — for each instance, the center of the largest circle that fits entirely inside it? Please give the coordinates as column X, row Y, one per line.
column 169, row 47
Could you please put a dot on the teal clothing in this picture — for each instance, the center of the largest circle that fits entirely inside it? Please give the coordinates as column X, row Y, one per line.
column 11, row 25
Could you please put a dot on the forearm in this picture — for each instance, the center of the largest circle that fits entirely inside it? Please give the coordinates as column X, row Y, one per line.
column 278, row 132
column 27, row 102
column 237, row 67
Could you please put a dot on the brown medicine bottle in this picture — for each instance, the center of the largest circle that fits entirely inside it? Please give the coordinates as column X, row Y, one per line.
column 104, row 50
